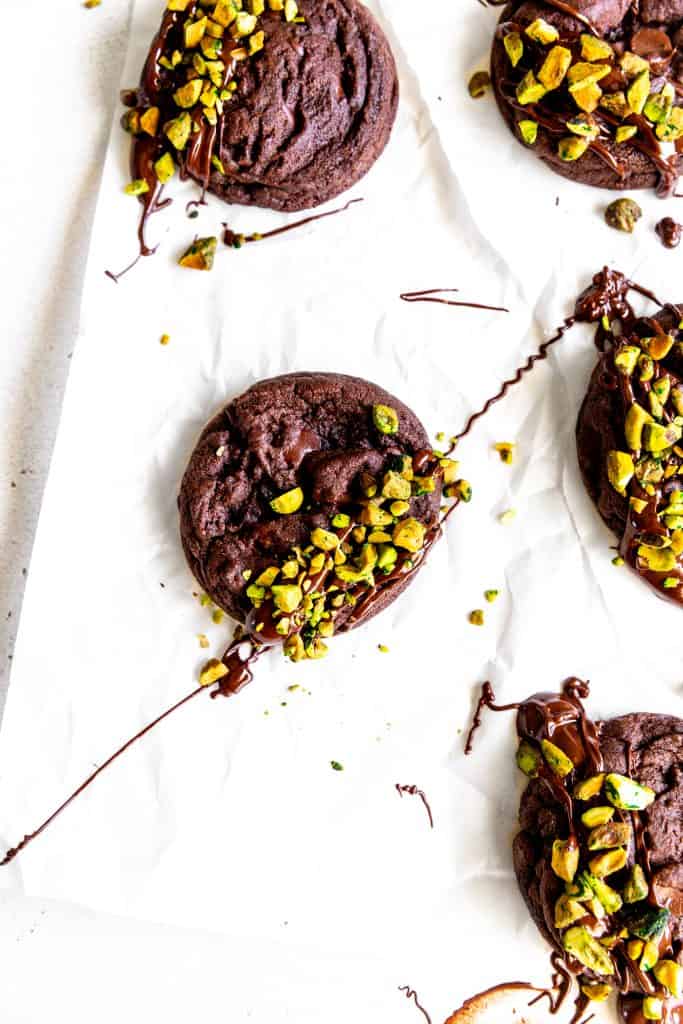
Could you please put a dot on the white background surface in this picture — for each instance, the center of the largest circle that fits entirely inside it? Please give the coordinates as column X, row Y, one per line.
column 76, row 964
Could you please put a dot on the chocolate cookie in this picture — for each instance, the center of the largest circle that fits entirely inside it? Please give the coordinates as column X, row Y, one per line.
column 592, row 86
column 298, row 471
column 283, row 108
column 599, row 855
column 628, row 435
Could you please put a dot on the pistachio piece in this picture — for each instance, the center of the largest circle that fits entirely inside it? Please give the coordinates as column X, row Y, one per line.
column 373, row 515
column 616, row 103
column 589, row 788
column 658, row 106
column 565, row 858
column 580, row 944
column 555, row 67
column 597, row 816
column 626, row 794
column 541, row 32
column 572, row 148
column 623, row 215
column 632, row 64
column 399, row 508
column 291, row 10
column 528, row 758
column 243, row 25
column 149, row 121
column 634, row 948
column 194, row 32
column 506, row 450
column 638, row 505
column 268, row 576
column 461, row 489
column 636, row 887
column 478, row 84
column 256, row 594
column 583, row 73
column 178, row 5
column 672, row 130
column 224, row 13
column 653, row 1008
column 670, row 974
column 409, row 534
column 638, row 91
column 256, row 42
column 349, row 575
column 657, row 437
column 491, row 595
column 530, row 90
column 649, row 924
column 385, row 419
column 514, row 47
column 607, row 863
column 556, row 759
column 212, row 672
column 130, row 122
column 609, row 835
column 659, row 346
column 423, row 485
column 620, row 470
column 287, row 597
column 647, row 367
column 289, row 502
column 324, row 539
column 386, row 557
column 579, row 889
column 449, row 470
column 476, row 618
column 567, row 911
column 587, row 96
column 608, row 897
column 187, row 95
column 136, row 188
column 662, row 389
column 597, row 992
column 178, row 130
column 341, row 521
column 636, row 418
column 584, row 126
column 625, row 132
column 626, row 357
column 650, row 956
column 164, row 168
column 593, row 48
column 657, row 559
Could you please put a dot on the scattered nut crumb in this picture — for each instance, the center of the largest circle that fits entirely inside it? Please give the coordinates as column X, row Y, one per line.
column 336, row 766
column 164, row 339
column 203, row 640
column 507, row 517
column 491, row 595
column 383, row 648
column 218, row 616
column 506, row 450
column 476, row 617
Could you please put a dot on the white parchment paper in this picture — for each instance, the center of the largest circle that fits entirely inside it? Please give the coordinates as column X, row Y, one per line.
column 229, row 817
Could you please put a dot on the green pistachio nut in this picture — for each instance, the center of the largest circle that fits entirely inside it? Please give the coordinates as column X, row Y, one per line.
column 657, row 437
column 624, row 133
column 649, row 924
column 608, row 897
column 653, row 1008
column 620, row 470
column 610, row 835
column 164, row 168
column 636, row 419
column 395, row 486
column 670, row 974
column 581, row 945
column 514, row 47
column 177, row 131
column 530, row 90
column 589, row 788
column 385, row 419
column 528, row 131
column 608, row 863
column 528, row 758
column 555, row 67
column 623, row 215
column 596, row 992
column 593, row 48
column 657, row 559
column 556, row 759
column 597, row 816
column 572, row 148
column 289, row 502
column 200, row 255
column 410, row 535
column 541, row 32
column 565, row 858
column 626, row 794
column 567, row 911
column 638, row 91
column 636, row 888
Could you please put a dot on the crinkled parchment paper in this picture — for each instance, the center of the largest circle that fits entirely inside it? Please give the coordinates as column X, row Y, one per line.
column 227, row 818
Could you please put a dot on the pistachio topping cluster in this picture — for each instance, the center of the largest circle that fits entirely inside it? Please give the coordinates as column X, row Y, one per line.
column 648, row 470
column 589, row 91
column 202, row 42
column 376, row 541
column 608, row 922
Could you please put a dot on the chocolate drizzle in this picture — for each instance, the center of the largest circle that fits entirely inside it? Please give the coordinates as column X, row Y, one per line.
column 669, row 232
column 235, row 240
column 410, row 993
column 414, row 791
column 430, row 295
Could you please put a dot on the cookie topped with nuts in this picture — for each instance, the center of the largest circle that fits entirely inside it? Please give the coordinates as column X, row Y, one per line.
column 595, row 88
column 599, row 855
column 309, row 504
column 630, row 444
column 275, row 103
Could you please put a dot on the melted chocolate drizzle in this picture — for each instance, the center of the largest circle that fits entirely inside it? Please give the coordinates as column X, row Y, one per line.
column 410, row 993
column 669, row 232
column 414, row 791
column 235, row 240
column 429, row 295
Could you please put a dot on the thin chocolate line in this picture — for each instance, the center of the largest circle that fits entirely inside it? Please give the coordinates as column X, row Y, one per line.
column 414, row 791
column 410, row 993
column 426, row 295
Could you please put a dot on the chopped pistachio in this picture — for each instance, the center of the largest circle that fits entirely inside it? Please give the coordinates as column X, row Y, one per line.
column 178, row 130
column 626, row 359
column 587, row 96
column 461, row 489
column 580, row 944
column 650, row 956
column 556, row 759
column 203, row 640
column 218, row 616
column 632, row 64
column 130, row 122
column 555, row 67
column 243, row 25
column 478, row 84
column 572, row 148
column 608, row 897
column 625, row 132
column 565, row 858
column 616, row 103
column 149, row 121
column 409, row 534
column 476, row 618
column 385, row 419
column 530, row 89
column 528, row 758
column 626, row 794
column 618, row 561
column 137, row 187
column 514, row 47
column 658, row 105
column 670, row 974
column 636, row 419
column 382, row 648
column 541, row 32
column 291, row 10
column 638, row 91
column 506, row 451
column 589, row 788
column 609, row 835
column 287, row 597
column 650, row 923
column 395, row 486
column 623, row 214
column 507, row 517
column 178, row 5
column 605, row 864
column 659, row 346
column 212, row 672
column 636, row 888
column 620, row 470
column 200, row 255
column 164, row 168
column 188, row 95
column 597, row 816
column 491, row 595
column 256, row 42
column 586, row 73
column 289, row 502
column 597, row 992
column 164, row 339
column 336, row 766
column 194, row 32
column 324, row 539
column 657, row 437
column 653, row 1008
column 529, row 131
column 585, row 127
column 593, row 49
column 567, row 911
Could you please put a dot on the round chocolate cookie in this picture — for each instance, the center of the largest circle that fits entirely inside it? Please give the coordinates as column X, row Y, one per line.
column 301, row 453
column 644, row 747
column 629, row 447
column 283, row 107
column 594, row 86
